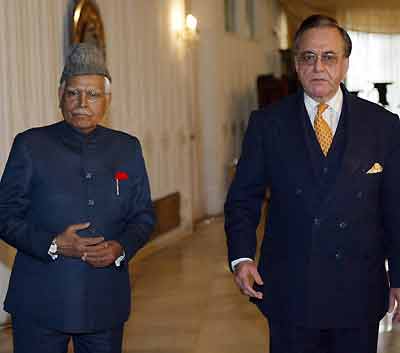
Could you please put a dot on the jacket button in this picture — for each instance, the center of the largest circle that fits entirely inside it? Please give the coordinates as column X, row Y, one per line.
column 90, row 202
column 342, row 225
column 317, row 221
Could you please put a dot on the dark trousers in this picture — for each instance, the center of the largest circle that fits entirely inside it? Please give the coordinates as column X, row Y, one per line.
column 287, row 338
column 28, row 338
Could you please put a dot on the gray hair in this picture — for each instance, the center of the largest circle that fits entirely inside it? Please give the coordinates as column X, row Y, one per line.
column 107, row 85
column 319, row 21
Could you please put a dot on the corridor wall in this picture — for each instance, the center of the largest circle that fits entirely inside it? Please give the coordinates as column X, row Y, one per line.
column 228, row 65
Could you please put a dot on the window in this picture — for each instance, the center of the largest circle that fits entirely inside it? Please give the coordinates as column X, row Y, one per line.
column 374, row 60
column 249, row 30
column 230, row 16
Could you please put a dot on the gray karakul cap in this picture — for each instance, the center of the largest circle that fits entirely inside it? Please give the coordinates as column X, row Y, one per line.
column 85, row 59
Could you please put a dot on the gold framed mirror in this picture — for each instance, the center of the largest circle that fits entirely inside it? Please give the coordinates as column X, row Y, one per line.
column 87, row 25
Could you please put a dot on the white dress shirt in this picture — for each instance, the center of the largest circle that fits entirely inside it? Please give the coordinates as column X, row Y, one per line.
column 331, row 114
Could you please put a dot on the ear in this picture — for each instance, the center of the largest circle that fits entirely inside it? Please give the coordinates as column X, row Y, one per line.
column 296, row 64
column 345, row 67
column 61, row 89
column 108, row 101
column 347, row 63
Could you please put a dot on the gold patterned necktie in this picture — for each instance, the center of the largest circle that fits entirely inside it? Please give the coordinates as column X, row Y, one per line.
column 322, row 129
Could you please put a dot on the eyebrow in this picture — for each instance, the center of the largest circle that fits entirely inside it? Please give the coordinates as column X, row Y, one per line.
column 83, row 89
column 314, row 52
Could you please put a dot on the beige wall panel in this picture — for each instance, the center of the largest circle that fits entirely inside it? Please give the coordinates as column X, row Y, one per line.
column 31, row 34
column 229, row 64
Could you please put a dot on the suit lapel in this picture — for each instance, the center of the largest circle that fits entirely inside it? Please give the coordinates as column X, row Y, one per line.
column 303, row 168
column 296, row 133
column 357, row 137
column 312, row 157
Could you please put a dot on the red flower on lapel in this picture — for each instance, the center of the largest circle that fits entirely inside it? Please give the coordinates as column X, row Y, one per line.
column 120, row 176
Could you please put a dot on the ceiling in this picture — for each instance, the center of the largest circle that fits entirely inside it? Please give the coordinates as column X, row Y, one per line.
column 358, row 15
column 343, row 4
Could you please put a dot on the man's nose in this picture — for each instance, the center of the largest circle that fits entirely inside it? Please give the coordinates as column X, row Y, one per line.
column 318, row 66
column 83, row 99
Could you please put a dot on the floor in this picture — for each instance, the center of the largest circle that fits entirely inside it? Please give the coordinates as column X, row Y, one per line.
column 186, row 302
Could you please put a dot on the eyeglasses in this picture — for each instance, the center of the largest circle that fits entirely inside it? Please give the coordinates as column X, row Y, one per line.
column 92, row 95
column 310, row 58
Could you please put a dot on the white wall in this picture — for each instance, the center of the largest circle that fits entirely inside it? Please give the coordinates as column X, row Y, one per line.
column 229, row 64
column 151, row 80
column 31, row 37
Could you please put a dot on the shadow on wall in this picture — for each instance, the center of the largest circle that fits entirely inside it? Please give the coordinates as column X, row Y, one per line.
column 6, row 260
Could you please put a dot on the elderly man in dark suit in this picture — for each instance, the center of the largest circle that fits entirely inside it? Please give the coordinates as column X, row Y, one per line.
column 75, row 203
column 332, row 163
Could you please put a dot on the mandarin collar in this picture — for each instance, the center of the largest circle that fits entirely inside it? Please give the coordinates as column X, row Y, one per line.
column 75, row 134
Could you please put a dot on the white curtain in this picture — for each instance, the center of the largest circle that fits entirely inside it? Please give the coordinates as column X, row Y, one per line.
column 375, row 58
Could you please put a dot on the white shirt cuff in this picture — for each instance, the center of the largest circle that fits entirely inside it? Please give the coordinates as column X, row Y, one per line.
column 53, row 250
column 53, row 256
column 120, row 259
column 238, row 261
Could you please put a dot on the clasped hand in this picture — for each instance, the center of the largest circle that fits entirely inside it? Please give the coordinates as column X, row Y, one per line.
column 93, row 250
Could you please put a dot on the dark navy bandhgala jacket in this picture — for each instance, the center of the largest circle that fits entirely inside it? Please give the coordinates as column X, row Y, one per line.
column 56, row 176
column 327, row 236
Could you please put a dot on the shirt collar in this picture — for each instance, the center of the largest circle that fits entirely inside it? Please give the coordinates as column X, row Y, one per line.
column 335, row 103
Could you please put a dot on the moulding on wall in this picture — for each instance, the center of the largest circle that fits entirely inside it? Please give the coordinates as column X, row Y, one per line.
column 167, row 213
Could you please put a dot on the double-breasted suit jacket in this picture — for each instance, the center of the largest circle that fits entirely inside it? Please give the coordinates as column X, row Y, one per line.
column 332, row 221
column 56, row 176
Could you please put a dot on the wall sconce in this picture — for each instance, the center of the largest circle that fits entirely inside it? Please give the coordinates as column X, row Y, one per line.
column 189, row 31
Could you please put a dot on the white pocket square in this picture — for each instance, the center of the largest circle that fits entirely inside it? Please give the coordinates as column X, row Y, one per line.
column 376, row 168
